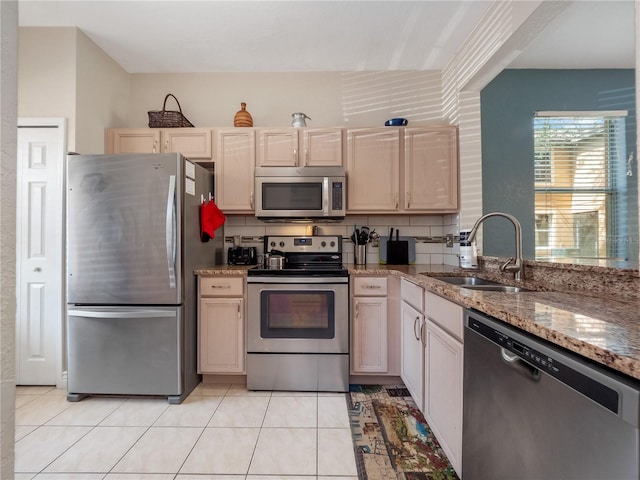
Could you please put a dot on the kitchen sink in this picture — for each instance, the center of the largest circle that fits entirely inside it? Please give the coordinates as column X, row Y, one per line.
column 496, row 288
column 467, row 281
column 475, row 283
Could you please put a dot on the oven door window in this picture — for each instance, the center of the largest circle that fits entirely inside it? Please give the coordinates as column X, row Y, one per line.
column 292, row 196
column 297, row 314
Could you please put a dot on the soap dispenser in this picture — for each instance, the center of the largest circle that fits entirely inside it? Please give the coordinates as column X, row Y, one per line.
column 468, row 251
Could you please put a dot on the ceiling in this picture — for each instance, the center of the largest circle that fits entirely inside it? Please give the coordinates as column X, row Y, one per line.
column 152, row 36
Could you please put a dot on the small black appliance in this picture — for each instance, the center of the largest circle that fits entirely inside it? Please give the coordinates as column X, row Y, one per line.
column 242, row 256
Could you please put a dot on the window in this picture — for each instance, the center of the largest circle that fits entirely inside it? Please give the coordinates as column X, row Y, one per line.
column 579, row 195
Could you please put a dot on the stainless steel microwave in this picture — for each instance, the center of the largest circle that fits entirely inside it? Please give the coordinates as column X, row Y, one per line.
column 300, row 193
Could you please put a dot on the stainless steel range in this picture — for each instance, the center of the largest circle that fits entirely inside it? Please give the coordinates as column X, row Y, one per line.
column 298, row 316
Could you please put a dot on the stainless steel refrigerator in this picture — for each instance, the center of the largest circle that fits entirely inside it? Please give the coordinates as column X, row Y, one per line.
column 133, row 241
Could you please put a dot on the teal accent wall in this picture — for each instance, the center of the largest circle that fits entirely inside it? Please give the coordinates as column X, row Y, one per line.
column 508, row 104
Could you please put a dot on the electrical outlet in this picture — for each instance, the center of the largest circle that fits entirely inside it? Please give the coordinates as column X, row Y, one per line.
column 449, row 240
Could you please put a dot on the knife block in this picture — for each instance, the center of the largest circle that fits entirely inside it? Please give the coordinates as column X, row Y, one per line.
column 397, row 252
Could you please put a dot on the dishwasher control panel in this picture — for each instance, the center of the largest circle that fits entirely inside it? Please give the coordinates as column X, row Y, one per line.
column 530, row 355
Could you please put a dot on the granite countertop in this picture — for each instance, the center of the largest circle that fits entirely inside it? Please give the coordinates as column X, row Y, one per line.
column 605, row 330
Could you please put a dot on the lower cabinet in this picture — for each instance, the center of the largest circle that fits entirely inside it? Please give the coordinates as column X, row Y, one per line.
column 369, row 339
column 221, row 343
column 443, row 374
column 412, row 327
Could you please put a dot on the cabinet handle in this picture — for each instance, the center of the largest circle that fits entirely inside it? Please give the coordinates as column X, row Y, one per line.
column 251, row 200
column 371, row 286
column 422, row 340
column 295, row 156
column 155, row 146
column 306, row 157
column 408, row 200
column 414, row 328
column 166, row 146
column 220, row 286
column 238, row 306
column 357, row 308
column 397, row 196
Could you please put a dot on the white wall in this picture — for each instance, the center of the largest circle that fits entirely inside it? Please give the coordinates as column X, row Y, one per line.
column 46, row 75
column 329, row 98
column 62, row 73
column 101, row 97
column 8, row 141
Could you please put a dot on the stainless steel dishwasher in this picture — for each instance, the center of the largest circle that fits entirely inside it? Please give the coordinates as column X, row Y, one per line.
column 532, row 411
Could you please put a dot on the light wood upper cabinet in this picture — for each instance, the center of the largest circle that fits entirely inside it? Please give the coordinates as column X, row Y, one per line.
column 298, row 147
column 402, row 170
column 277, row 147
column 235, row 167
column 408, row 170
column 430, row 169
column 322, row 147
column 132, row 140
column 373, row 170
column 193, row 143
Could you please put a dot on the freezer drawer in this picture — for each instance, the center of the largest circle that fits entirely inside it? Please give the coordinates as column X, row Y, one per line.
column 122, row 350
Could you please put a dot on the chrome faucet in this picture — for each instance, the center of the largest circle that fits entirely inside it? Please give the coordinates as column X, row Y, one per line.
column 514, row 265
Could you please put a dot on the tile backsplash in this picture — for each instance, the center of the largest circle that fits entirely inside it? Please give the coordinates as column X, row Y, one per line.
column 429, row 231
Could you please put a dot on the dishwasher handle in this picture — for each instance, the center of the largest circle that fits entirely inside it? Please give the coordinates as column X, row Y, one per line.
column 520, row 365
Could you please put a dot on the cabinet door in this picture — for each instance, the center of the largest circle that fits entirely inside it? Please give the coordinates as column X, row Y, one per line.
column 221, row 335
column 369, row 352
column 278, row 147
column 443, row 391
column 235, row 166
column 411, row 362
column 132, row 140
column 431, row 169
column 373, row 165
column 322, row 147
column 193, row 143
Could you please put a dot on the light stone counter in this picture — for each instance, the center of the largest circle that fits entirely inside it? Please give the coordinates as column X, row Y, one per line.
column 603, row 329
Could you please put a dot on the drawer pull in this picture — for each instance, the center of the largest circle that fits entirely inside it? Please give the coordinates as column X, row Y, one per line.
column 220, row 286
column 371, row 286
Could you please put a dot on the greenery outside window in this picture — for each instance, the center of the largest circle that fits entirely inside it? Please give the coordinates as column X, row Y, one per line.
column 579, row 195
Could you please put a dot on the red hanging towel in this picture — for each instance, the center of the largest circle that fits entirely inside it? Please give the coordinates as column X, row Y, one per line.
column 211, row 217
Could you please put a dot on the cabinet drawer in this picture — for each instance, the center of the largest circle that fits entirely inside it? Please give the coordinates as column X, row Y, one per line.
column 444, row 313
column 412, row 294
column 221, row 286
column 369, row 286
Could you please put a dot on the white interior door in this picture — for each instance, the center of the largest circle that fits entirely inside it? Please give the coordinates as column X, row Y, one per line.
column 39, row 251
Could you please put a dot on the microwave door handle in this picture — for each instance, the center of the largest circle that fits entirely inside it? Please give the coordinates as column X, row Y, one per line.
column 170, row 232
column 325, row 196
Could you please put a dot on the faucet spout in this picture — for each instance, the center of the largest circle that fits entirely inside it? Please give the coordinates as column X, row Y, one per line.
column 515, row 265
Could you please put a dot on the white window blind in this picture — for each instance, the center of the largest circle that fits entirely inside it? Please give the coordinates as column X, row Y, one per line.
column 580, row 197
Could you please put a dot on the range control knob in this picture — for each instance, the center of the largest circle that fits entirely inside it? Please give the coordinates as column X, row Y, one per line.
column 333, row 244
column 281, row 244
column 323, row 244
column 273, row 244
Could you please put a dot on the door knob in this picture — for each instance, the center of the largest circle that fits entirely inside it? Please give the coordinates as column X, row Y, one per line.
column 37, row 269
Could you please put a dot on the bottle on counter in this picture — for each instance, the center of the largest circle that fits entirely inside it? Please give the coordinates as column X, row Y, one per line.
column 468, row 251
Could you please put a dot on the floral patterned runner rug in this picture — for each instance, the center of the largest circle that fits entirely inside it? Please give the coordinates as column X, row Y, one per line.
column 392, row 440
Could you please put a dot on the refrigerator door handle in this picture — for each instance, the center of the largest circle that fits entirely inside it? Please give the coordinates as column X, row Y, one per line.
column 170, row 232
column 121, row 314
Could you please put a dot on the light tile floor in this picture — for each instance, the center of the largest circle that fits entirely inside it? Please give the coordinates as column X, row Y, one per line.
column 220, row 432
